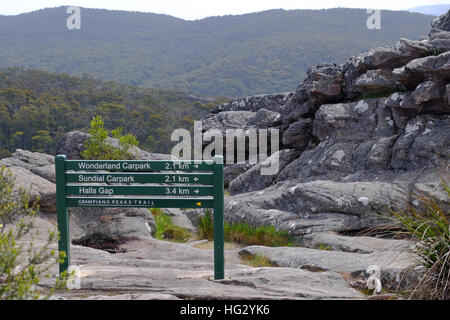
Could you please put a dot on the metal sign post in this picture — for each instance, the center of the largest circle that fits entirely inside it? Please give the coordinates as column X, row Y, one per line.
column 111, row 183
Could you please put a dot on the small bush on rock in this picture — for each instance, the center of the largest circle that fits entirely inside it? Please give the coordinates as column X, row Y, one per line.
column 99, row 148
column 166, row 229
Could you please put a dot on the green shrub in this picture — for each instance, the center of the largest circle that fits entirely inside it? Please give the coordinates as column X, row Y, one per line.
column 206, row 227
column 97, row 146
column 429, row 228
column 166, row 229
column 257, row 260
column 21, row 263
column 323, row 246
column 245, row 234
column 262, row 235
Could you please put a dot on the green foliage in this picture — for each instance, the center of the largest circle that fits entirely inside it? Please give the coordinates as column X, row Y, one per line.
column 166, row 229
column 230, row 56
column 22, row 263
column 206, row 226
column 245, row 234
column 257, row 261
column 429, row 227
column 37, row 108
column 262, row 235
column 323, row 246
column 99, row 148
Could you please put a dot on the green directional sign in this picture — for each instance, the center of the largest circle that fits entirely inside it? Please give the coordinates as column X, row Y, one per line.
column 138, row 165
column 105, row 190
column 138, row 202
column 117, row 178
column 144, row 184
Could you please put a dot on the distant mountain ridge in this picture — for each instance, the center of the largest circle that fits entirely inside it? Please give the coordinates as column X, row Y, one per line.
column 435, row 10
column 229, row 56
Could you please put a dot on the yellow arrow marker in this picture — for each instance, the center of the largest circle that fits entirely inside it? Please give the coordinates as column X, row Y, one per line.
column 199, row 204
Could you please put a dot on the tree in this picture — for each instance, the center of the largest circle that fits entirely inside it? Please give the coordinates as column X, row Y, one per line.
column 42, row 140
column 98, row 147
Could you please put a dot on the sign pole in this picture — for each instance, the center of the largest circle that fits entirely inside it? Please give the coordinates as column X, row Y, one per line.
column 63, row 216
column 219, row 256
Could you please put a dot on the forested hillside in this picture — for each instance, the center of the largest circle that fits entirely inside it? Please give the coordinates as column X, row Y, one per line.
column 229, row 56
column 37, row 108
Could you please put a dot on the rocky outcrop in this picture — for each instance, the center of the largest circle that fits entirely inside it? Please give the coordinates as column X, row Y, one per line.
column 368, row 136
column 372, row 71
column 72, row 144
column 317, row 206
column 40, row 164
column 270, row 102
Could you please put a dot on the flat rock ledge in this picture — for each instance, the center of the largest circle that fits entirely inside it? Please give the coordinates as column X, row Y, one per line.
column 160, row 270
column 153, row 269
column 397, row 266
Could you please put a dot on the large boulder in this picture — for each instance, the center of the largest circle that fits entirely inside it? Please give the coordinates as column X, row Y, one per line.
column 424, row 143
column 39, row 189
column 40, row 164
column 347, row 133
column 72, row 144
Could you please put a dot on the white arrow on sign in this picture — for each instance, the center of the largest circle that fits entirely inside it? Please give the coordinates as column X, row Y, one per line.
column 196, row 179
column 195, row 166
column 196, row 191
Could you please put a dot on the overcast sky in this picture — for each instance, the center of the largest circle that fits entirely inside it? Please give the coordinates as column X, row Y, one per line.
column 197, row 9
